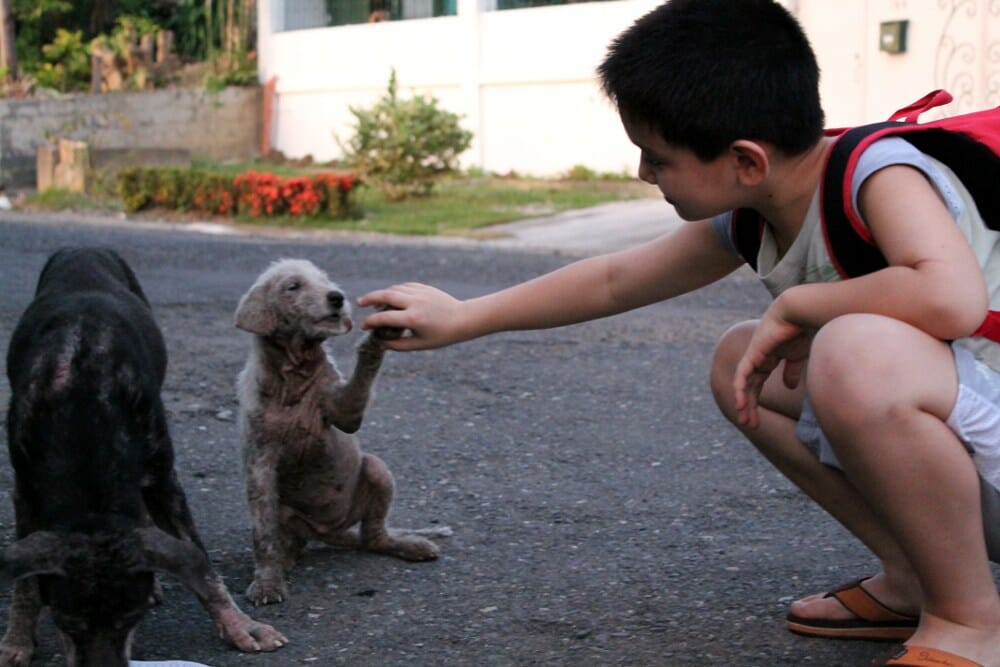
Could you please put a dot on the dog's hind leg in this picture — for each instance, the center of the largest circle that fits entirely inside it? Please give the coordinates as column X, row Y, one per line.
column 18, row 642
column 373, row 499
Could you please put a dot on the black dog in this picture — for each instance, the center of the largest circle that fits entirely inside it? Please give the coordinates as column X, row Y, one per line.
column 94, row 470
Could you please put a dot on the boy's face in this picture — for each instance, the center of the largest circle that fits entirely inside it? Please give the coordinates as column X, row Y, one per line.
column 696, row 189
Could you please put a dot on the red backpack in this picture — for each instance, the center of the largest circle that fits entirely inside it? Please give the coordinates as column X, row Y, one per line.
column 969, row 144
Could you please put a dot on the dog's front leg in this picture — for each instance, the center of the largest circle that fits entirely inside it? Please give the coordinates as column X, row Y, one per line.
column 268, row 584
column 345, row 407
column 167, row 505
column 18, row 642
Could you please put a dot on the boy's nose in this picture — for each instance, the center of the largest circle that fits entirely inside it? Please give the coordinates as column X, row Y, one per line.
column 646, row 174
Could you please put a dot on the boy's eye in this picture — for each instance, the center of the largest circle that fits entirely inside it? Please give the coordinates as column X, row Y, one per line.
column 651, row 160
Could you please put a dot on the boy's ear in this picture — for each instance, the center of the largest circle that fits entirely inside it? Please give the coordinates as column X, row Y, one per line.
column 752, row 161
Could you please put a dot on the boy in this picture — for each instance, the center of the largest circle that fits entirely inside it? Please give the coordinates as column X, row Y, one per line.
column 892, row 431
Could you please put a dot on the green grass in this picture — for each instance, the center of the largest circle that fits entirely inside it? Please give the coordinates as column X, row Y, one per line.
column 458, row 206
column 58, row 199
column 468, row 206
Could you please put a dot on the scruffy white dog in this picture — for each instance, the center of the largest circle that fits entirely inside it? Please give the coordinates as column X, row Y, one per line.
column 306, row 477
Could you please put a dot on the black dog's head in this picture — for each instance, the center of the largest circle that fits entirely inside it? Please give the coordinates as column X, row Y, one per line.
column 99, row 584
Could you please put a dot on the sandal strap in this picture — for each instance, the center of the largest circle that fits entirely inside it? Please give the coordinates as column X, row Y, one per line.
column 862, row 604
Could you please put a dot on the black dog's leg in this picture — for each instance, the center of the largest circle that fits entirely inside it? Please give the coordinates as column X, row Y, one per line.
column 18, row 643
column 167, row 505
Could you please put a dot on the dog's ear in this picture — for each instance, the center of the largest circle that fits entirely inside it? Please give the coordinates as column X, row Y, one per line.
column 178, row 558
column 254, row 315
column 41, row 552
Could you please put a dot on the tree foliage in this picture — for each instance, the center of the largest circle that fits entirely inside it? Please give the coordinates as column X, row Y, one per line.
column 53, row 36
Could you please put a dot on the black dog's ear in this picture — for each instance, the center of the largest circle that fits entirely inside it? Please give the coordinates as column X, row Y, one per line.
column 253, row 313
column 41, row 552
column 178, row 558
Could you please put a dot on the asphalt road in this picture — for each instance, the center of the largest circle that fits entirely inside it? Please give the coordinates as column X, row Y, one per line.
column 603, row 512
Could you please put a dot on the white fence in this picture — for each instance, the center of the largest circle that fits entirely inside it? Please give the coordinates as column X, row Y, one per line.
column 524, row 80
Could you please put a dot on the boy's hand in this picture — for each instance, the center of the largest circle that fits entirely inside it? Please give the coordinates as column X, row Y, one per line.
column 429, row 316
column 774, row 340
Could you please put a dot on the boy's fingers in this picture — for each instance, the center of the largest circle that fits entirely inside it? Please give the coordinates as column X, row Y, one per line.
column 792, row 373
column 386, row 318
column 383, row 297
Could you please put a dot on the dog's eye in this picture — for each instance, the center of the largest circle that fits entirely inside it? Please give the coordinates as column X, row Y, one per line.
column 292, row 286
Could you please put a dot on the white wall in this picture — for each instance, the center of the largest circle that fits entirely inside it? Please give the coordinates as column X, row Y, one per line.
column 952, row 44
column 524, row 80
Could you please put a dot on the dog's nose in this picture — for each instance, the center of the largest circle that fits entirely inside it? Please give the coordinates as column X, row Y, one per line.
column 336, row 299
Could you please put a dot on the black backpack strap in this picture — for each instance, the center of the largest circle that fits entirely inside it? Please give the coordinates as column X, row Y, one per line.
column 747, row 227
column 974, row 162
column 848, row 240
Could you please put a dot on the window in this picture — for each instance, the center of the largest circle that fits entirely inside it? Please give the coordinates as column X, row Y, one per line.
column 344, row 12
column 519, row 4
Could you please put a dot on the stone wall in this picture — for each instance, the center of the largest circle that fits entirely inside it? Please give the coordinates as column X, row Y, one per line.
column 154, row 127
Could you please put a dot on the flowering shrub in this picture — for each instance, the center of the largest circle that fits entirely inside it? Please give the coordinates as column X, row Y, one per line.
column 253, row 194
column 401, row 146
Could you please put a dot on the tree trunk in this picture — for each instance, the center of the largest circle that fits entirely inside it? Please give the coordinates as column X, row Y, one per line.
column 230, row 31
column 8, row 48
column 209, row 31
column 100, row 12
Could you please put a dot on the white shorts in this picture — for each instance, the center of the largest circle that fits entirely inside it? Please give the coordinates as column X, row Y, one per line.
column 975, row 419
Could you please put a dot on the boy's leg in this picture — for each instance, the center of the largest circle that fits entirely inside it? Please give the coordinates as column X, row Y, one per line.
column 896, row 587
column 882, row 391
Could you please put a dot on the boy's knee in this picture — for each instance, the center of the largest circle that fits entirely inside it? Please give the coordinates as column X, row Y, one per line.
column 844, row 360
column 727, row 354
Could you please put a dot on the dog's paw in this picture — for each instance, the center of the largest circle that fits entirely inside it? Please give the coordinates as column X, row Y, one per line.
column 246, row 634
column 15, row 655
column 266, row 591
column 387, row 333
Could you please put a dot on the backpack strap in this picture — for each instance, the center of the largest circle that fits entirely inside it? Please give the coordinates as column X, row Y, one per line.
column 746, row 227
column 969, row 144
column 852, row 249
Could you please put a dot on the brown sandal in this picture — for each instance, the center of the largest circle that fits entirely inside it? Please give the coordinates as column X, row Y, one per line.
column 873, row 620
column 923, row 656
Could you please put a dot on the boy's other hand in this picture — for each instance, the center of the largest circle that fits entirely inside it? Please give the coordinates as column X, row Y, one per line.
column 774, row 340
column 429, row 316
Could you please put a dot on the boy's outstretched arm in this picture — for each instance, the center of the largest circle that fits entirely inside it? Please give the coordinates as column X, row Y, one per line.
column 933, row 282
column 673, row 264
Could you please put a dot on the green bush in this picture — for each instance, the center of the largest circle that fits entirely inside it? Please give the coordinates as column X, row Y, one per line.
column 400, row 146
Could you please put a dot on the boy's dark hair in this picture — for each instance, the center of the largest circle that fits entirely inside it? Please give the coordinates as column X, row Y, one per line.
column 704, row 73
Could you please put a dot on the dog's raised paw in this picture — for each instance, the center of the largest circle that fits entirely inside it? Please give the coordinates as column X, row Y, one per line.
column 387, row 333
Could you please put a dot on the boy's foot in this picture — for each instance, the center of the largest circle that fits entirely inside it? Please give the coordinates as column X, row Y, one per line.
column 850, row 612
